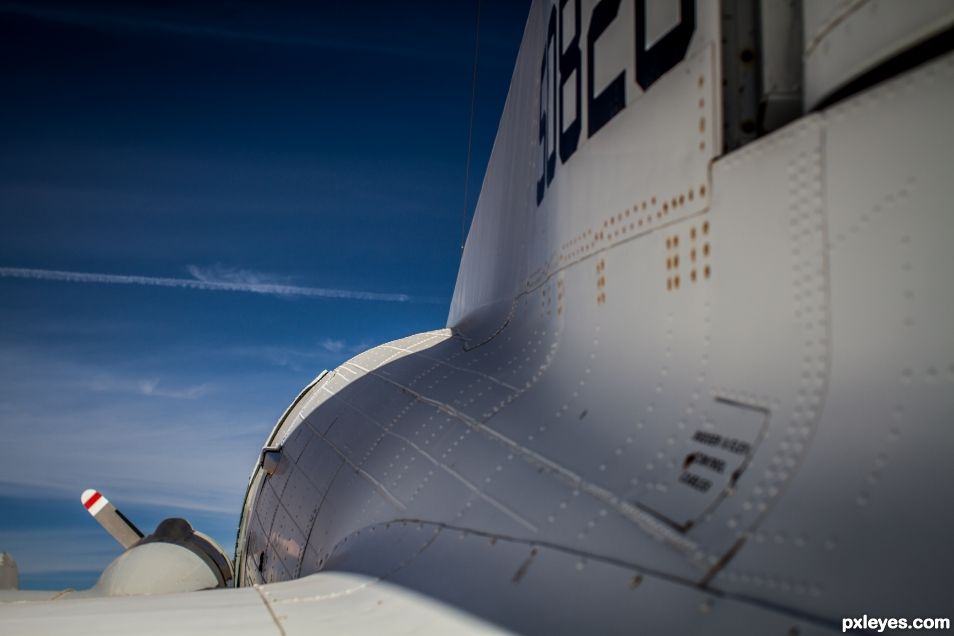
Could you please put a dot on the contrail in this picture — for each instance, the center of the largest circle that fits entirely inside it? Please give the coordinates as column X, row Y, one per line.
column 189, row 283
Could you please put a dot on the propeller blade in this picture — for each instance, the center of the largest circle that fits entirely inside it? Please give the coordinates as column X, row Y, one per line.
column 113, row 521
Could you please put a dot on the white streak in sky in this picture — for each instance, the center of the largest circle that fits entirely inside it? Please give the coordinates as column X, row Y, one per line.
column 202, row 284
column 148, row 387
column 333, row 346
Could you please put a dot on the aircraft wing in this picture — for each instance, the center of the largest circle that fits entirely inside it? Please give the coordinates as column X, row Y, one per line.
column 330, row 603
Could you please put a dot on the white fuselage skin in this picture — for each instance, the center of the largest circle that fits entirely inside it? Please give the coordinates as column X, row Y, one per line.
column 685, row 389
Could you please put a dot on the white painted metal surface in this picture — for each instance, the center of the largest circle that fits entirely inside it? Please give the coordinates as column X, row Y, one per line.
column 672, row 373
column 155, row 568
column 331, row 603
column 845, row 38
column 679, row 392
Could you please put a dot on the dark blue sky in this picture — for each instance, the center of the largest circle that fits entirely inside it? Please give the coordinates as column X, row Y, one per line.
column 306, row 145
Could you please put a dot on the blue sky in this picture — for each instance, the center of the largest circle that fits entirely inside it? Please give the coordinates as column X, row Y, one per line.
column 253, row 159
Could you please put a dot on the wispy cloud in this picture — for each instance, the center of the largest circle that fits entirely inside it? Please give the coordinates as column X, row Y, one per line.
column 336, row 345
column 296, row 359
column 332, row 345
column 209, row 280
column 134, row 452
column 222, row 274
column 305, row 358
column 193, row 453
column 148, row 387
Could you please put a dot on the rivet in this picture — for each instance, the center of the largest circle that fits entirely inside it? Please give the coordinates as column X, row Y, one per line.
column 705, row 227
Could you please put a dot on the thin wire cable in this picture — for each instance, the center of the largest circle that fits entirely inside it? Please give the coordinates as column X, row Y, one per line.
column 470, row 130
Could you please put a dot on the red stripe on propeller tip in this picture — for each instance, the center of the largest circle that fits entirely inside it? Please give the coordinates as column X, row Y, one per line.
column 92, row 500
